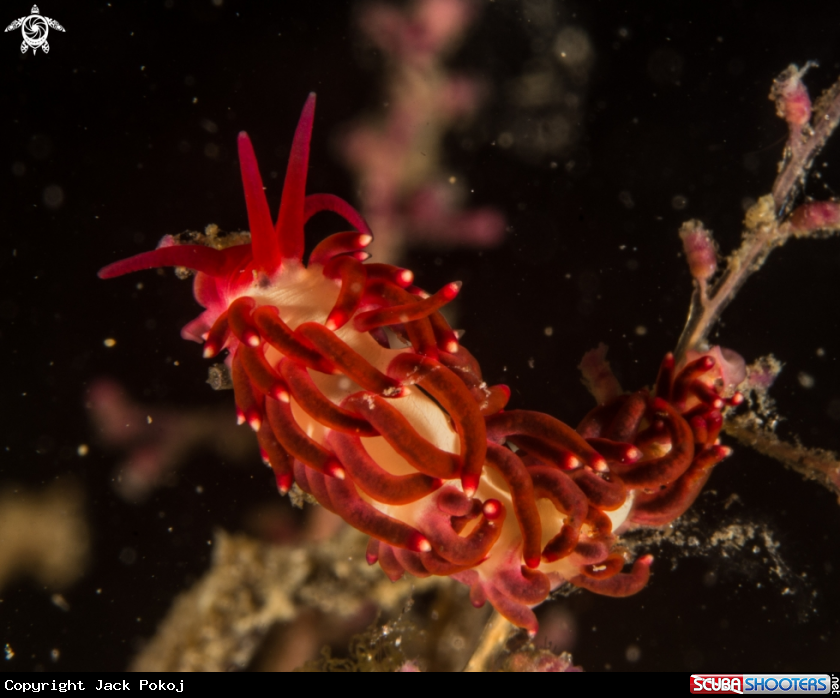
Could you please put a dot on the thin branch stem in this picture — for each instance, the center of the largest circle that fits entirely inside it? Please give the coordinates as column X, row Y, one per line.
column 708, row 305
column 812, row 463
column 805, row 145
column 490, row 644
column 765, row 225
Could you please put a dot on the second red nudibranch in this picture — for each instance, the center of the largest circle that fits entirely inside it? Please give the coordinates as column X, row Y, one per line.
column 360, row 393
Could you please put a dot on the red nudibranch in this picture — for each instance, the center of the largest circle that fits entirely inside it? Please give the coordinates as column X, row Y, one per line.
column 360, row 393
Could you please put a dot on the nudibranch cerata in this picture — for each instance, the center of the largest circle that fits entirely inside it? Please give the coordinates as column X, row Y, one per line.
column 360, row 392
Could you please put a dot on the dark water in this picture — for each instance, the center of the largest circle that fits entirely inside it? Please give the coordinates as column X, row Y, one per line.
column 133, row 117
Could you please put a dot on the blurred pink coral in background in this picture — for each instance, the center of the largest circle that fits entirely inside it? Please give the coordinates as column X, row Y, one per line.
column 396, row 156
column 159, row 439
column 418, row 37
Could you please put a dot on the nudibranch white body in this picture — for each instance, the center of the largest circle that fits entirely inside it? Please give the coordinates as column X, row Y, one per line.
column 360, row 392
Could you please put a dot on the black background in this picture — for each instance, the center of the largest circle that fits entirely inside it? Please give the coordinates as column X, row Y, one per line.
column 103, row 115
